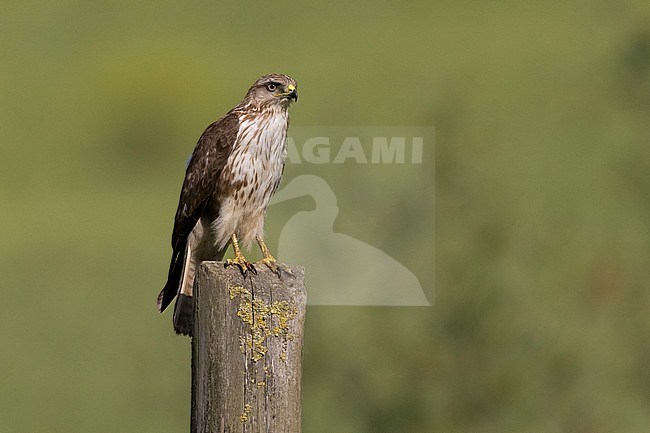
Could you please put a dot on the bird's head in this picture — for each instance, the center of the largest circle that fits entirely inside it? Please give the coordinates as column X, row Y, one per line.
column 273, row 90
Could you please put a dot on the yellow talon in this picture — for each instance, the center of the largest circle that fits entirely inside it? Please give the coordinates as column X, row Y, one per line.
column 239, row 260
column 270, row 261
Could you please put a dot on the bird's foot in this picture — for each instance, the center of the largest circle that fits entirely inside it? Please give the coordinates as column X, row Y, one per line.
column 275, row 266
column 241, row 262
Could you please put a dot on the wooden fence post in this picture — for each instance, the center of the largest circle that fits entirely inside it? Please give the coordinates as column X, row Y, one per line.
column 247, row 350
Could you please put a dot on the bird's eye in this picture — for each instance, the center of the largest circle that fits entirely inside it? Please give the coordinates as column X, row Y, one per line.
column 271, row 87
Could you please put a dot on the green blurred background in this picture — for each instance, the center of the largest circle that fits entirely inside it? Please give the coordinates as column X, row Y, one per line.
column 541, row 310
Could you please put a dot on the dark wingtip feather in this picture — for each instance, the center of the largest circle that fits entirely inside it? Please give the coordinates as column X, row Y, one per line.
column 166, row 295
column 159, row 300
column 168, row 292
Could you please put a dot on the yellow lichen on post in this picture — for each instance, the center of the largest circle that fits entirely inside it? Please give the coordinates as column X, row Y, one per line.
column 264, row 320
column 244, row 416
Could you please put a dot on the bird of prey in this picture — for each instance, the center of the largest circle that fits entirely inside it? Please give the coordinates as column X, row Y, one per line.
column 234, row 170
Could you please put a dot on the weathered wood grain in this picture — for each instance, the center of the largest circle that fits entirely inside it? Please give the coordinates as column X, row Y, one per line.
column 247, row 350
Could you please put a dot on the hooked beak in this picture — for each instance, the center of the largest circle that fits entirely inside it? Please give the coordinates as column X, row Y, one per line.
column 292, row 92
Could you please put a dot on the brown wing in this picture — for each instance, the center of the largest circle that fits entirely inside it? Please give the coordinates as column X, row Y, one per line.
column 203, row 171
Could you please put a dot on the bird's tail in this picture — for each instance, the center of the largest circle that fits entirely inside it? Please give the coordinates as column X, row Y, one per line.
column 184, row 314
column 181, row 284
column 184, row 307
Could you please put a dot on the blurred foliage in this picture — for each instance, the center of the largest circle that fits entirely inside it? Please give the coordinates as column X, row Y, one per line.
column 542, row 178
